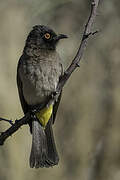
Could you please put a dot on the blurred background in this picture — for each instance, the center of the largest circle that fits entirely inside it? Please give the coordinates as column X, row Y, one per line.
column 87, row 128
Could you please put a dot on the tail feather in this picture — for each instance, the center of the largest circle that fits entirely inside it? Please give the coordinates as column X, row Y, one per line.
column 38, row 154
column 43, row 152
column 52, row 151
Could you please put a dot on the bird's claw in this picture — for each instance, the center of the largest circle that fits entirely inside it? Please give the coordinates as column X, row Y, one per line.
column 32, row 113
column 55, row 93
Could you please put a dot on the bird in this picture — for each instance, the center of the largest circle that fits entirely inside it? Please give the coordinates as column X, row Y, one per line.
column 38, row 73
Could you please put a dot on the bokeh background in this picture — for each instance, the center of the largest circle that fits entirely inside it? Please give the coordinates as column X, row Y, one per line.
column 87, row 127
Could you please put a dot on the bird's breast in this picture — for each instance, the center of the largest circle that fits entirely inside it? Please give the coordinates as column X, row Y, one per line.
column 39, row 80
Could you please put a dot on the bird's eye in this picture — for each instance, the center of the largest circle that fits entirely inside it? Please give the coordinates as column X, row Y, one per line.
column 47, row 36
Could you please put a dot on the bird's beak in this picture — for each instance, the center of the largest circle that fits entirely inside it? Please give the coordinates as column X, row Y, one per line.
column 60, row 36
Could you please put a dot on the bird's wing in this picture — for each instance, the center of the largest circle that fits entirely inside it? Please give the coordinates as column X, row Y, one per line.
column 24, row 104
column 20, row 90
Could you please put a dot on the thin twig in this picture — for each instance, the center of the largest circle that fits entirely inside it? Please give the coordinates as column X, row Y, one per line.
column 7, row 120
column 75, row 63
column 14, row 128
column 87, row 33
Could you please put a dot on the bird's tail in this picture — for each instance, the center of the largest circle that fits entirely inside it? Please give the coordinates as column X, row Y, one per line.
column 51, row 147
column 43, row 152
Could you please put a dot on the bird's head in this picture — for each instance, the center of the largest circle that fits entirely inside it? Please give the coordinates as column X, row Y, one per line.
column 44, row 37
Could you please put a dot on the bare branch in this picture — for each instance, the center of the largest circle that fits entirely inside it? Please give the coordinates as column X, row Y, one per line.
column 87, row 33
column 7, row 120
column 75, row 63
column 14, row 128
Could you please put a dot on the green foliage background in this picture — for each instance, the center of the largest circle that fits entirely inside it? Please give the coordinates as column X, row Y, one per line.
column 90, row 106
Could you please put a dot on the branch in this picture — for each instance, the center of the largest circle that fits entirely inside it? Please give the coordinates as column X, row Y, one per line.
column 9, row 121
column 14, row 127
column 86, row 34
column 75, row 63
